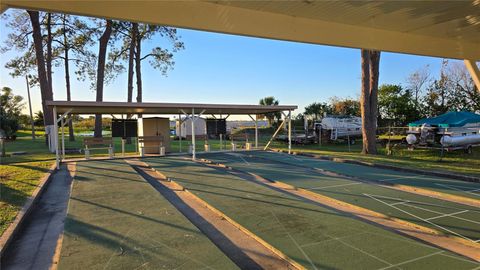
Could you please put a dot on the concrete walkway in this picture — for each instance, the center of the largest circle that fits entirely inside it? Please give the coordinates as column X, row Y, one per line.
column 35, row 245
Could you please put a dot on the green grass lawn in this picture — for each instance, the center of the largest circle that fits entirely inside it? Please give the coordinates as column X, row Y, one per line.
column 20, row 174
column 17, row 182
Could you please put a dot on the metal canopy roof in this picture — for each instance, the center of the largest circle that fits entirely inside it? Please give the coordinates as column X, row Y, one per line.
column 448, row 29
column 92, row 107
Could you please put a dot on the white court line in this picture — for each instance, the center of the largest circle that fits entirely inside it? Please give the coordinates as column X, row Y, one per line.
column 332, row 239
column 295, row 242
column 457, row 258
column 398, row 203
column 397, row 178
column 363, row 251
column 412, row 260
column 452, row 187
column 415, row 216
column 447, row 215
column 436, row 212
column 420, row 203
column 342, row 185
column 244, row 160
column 294, row 157
column 239, row 156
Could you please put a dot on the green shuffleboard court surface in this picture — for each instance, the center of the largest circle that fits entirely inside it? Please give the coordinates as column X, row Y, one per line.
column 445, row 185
column 314, row 236
column 116, row 220
column 444, row 216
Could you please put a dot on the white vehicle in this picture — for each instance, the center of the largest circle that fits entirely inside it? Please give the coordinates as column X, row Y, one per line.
column 341, row 127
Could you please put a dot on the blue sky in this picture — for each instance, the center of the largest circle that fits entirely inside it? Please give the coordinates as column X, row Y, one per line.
column 219, row 68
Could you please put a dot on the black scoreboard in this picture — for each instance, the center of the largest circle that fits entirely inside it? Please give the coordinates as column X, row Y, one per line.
column 125, row 128
column 215, row 127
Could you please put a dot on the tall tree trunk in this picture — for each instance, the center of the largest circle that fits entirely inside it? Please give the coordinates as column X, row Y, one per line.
column 102, row 54
column 49, row 50
column 374, row 75
column 369, row 99
column 131, row 56
column 46, row 91
column 138, row 67
column 71, row 135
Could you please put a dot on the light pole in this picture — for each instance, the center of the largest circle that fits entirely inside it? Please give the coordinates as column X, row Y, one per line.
column 30, row 107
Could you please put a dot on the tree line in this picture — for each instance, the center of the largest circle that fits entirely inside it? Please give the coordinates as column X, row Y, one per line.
column 47, row 40
column 422, row 95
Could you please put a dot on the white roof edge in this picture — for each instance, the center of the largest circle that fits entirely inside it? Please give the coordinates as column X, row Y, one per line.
column 162, row 108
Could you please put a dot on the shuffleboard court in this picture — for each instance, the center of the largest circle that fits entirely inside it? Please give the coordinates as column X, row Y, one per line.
column 444, row 216
column 314, row 236
column 445, row 185
column 116, row 220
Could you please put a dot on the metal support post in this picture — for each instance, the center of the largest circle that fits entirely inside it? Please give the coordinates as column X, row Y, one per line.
column 30, row 108
column 63, row 138
column 193, row 134
column 289, row 132
column 180, row 131
column 55, row 136
column 123, row 147
column 221, row 141
column 256, row 129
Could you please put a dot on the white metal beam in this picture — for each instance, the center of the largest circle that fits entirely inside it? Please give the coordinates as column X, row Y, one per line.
column 474, row 72
column 63, row 116
column 275, row 134
column 55, row 136
column 63, row 137
column 193, row 134
column 290, row 132
column 180, row 123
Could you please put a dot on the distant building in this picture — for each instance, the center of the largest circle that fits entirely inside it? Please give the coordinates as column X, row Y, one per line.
column 245, row 123
column 186, row 130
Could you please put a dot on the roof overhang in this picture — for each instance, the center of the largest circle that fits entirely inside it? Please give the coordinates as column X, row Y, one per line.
column 449, row 29
column 92, row 107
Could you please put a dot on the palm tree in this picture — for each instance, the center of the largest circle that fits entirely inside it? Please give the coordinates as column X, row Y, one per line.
column 316, row 110
column 270, row 101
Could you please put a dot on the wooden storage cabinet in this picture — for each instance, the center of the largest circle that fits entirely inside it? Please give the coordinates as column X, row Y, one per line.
column 154, row 126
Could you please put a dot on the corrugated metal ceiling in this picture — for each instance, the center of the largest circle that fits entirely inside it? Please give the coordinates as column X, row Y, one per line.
column 444, row 19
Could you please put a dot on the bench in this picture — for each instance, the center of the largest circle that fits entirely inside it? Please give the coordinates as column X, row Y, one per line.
column 151, row 142
column 242, row 137
column 98, row 143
